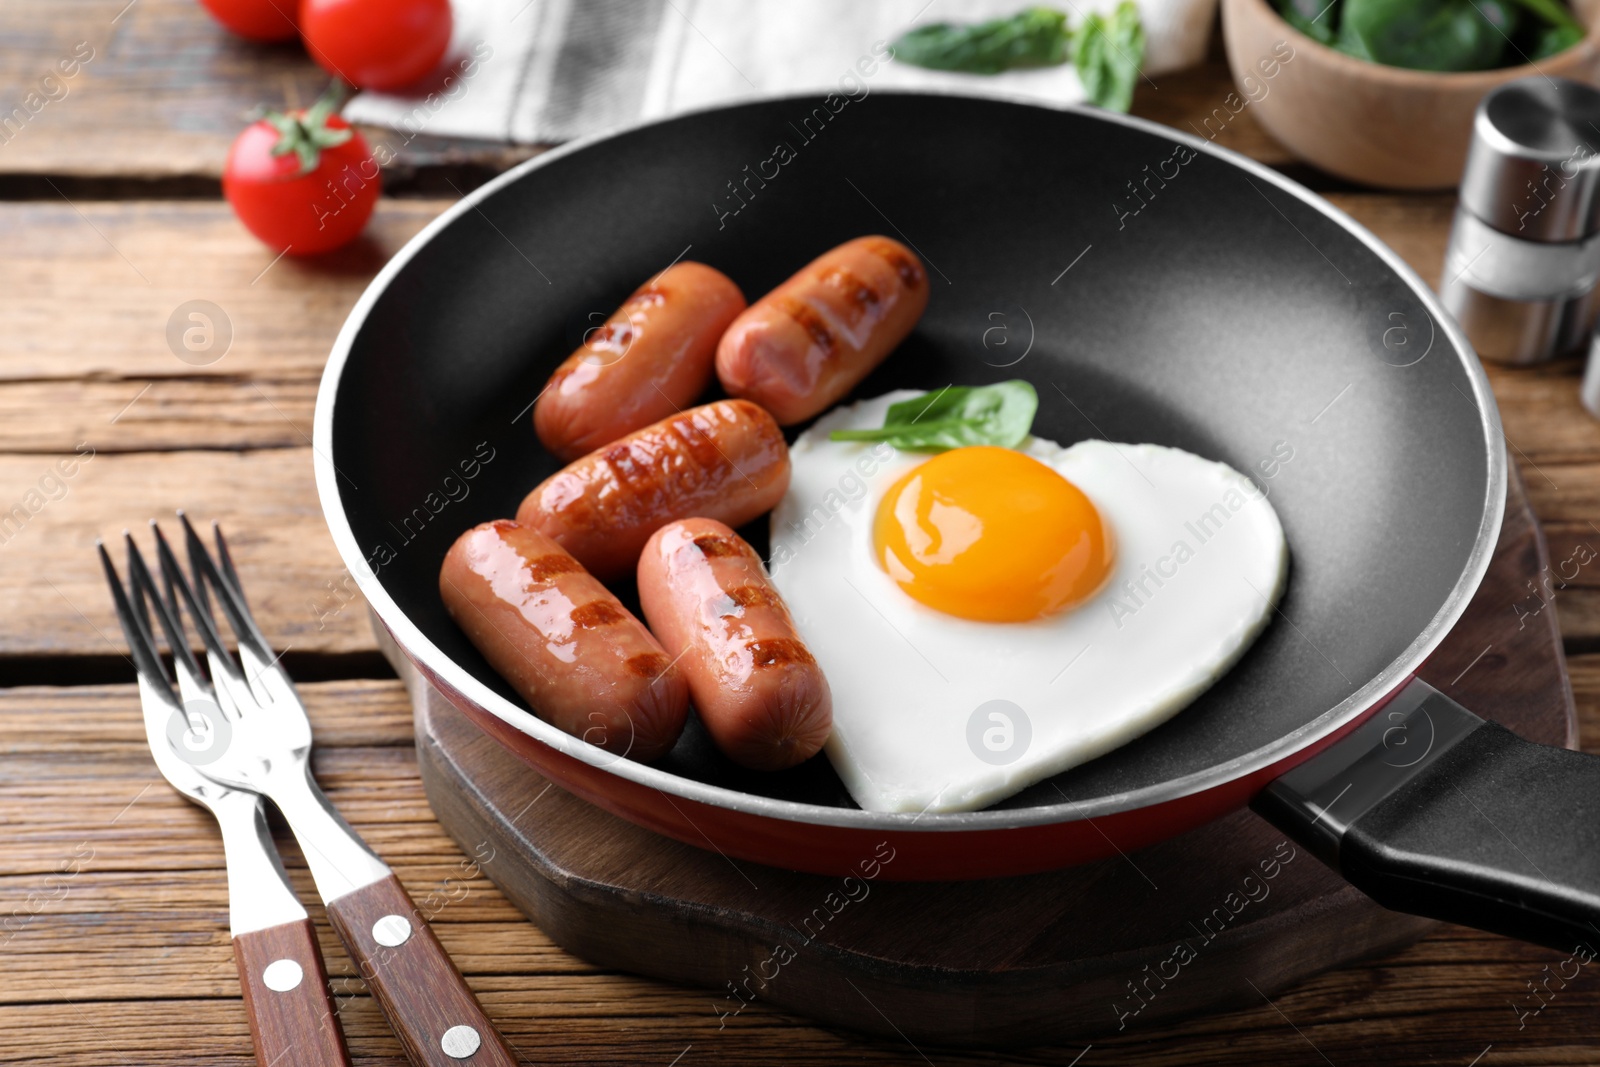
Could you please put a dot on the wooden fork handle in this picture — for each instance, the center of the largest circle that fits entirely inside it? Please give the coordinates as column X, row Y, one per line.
column 425, row 999
column 292, row 1017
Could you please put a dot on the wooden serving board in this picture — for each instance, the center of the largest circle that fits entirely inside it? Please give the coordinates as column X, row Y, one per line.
column 1220, row 917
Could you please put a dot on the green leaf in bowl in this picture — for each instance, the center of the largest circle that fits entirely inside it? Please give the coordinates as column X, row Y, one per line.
column 1441, row 35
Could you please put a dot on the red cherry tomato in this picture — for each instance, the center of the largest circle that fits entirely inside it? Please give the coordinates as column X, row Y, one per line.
column 295, row 188
column 376, row 44
column 259, row 20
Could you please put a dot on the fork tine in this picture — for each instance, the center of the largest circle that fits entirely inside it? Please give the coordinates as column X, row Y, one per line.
column 179, row 588
column 192, row 683
column 261, row 675
column 225, row 558
column 144, row 590
column 202, row 592
column 141, row 610
column 232, row 689
column 140, row 643
column 225, row 561
column 229, row 595
column 201, row 586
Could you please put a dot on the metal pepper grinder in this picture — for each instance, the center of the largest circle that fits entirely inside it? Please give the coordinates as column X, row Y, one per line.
column 1524, row 254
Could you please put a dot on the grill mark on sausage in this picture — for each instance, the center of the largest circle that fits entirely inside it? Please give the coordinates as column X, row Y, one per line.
column 714, row 545
column 548, row 568
column 778, row 652
column 702, row 454
column 909, row 270
column 647, row 664
column 597, row 613
column 854, row 288
column 808, row 320
column 627, row 467
column 754, row 596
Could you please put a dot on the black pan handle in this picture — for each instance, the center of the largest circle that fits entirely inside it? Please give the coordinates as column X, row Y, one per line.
column 1429, row 809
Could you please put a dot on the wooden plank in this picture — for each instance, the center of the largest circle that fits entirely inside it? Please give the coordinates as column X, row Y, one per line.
column 57, row 599
column 88, row 291
column 136, row 939
column 40, row 721
column 614, row 1019
column 1565, row 492
column 162, row 93
column 1543, row 419
column 157, row 414
column 1573, row 587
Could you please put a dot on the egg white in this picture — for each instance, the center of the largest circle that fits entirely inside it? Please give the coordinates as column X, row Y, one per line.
column 1200, row 564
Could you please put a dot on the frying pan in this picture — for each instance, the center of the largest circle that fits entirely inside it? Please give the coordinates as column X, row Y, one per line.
column 1154, row 288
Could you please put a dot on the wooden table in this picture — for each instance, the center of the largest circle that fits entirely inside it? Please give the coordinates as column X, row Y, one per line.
column 112, row 897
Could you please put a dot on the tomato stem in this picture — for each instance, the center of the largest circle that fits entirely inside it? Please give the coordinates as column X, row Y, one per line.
column 306, row 133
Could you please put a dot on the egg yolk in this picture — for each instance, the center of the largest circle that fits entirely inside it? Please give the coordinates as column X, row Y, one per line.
column 991, row 534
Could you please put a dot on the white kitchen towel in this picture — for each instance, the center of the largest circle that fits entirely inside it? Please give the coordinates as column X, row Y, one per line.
column 535, row 71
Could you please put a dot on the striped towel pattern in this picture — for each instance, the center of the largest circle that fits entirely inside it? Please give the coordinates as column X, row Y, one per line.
column 540, row 71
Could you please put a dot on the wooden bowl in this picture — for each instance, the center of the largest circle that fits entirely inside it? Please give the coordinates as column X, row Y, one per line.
column 1378, row 125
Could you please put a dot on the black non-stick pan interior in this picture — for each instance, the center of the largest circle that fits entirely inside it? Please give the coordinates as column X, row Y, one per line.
column 1151, row 291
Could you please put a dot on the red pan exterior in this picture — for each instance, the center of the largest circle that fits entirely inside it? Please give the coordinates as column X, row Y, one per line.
column 917, row 856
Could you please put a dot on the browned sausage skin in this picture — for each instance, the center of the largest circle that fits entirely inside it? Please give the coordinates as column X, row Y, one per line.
column 759, row 692
column 726, row 460
column 564, row 642
column 807, row 343
column 652, row 357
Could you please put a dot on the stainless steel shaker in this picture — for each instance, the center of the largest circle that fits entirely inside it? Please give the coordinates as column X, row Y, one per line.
column 1524, row 253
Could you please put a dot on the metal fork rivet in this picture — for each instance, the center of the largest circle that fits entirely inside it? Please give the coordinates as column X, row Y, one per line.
column 459, row 1042
column 281, row 976
column 391, row 931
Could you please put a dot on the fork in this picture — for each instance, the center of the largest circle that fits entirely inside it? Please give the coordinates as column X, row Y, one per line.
column 427, row 1003
column 285, row 988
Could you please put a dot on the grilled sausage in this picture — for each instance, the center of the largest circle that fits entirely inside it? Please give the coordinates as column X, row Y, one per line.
column 759, row 692
column 575, row 654
column 652, row 357
column 808, row 342
column 726, row 460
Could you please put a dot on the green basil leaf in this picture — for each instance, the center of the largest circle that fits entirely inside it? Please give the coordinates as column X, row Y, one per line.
column 954, row 417
column 1035, row 37
column 1108, row 51
column 1445, row 35
column 1316, row 19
